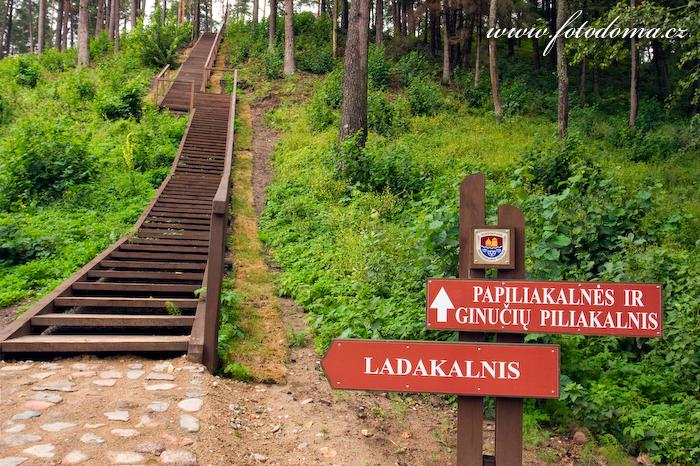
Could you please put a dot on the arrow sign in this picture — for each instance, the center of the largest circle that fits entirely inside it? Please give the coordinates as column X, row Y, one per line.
column 442, row 303
column 621, row 309
column 512, row 370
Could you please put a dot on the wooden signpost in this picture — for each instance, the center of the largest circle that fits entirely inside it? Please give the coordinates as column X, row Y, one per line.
column 508, row 306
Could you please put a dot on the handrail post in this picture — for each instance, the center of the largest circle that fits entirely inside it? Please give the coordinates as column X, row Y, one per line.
column 191, row 95
column 215, row 276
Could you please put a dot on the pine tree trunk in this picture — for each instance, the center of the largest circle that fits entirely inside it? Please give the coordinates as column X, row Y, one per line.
column 134, row 13
column 467, row 33
column 379, row 23
column 83, row 47
column 661, row 68
column 582, row 83
column 353, row 111
column 634, row 76
column 562, row 76
column 99, row 18
column 31, row 26
column 334, row 33
column 7, row 47
column 42, row 26
column 445, row 43
column 59, row 24
column 272, row 31
column 344, row 16
column 115, row 15
column 256, row 6
column 289, row 63
column 66, row 17
column 493, row 64
column 396, row 18
column 477, row 60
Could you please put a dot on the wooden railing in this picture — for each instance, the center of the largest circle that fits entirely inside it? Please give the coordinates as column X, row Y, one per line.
column 211, row 58
column 205, row 331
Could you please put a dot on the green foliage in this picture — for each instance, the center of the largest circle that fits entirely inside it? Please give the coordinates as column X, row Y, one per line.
column 315, row 60
column 100, row 46
column 41, row 159
column 412, row 66
column 379, row 113
column 378, row 68
column 229, row 325
column 273, row 63
column 157, row 43
column 52, row 60
column 424, row 97
column 122, row 104
column 27, row 73
column 5, row 110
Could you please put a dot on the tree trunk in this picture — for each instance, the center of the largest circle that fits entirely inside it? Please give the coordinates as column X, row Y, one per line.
column 64, row 31
column 99, row 18
column 134, row 13
column 115, row 14
column 31, row 26
column 344, row 16
column 562, row 76
column 445, row 42
column 42, row 26
column 582, row 83
column 396, row 18
column 272, row 31
column 83, row 48
column 477, row 60
column 379, row 23
column 334, row 31
column 59, row 24
column 493, row 68
column 289, row 63
column 596, row 87
column 322, row 7
column 353, row 111
column 661, row 68
column 142, row 9
column 6, row 46
column 195, row 18
column 634, row 76
column 256, row 6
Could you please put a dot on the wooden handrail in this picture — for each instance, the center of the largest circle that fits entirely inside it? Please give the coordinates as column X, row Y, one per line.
column 210, row 59
column 214, row 272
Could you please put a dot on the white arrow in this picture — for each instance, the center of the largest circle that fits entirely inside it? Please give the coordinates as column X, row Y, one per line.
column 442, row 303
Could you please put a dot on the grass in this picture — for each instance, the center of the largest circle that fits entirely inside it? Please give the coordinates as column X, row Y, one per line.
column 260, row 353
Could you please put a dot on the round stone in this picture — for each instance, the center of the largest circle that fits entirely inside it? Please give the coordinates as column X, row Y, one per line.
column 178, row 457
column 125, row 457
column 42, row 396
column 126, row 433
column 91, row 438
column 24, row 415
column 36, row 405
column 19, row 439
column 160, row 386
column 57, row 426
column 134, row 374
column 12, row 460
column 45, row 450
column 158, row 406
column 75, row 457
column 117, row 415
column 110, row 375
column 105, row 382
column 14, row 428
column 150, row 447
column 189, row 423
column 191, row 405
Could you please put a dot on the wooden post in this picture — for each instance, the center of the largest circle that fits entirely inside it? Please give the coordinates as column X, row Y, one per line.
column 470, row 409
column 509, row 411
column 191, row 95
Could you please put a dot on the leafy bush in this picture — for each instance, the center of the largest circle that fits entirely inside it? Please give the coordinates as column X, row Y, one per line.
column 412, row 66
column 100, row 45
column 5, row 109
column 41, row 159
column 478, row 96
column 27, row 73
column 273, row 63
column 515, row 96
column 378, row 68
column 321, row 116
column 379, row 113
column 122, row 104
column 548, row 165
column 81, row 87
column 316, row 60
column 53, row 60
column 424, row 97
column 332, row 88
column 156, row 44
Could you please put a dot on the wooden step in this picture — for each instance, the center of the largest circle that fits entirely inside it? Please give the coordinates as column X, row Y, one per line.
column 138, row 255
column 152, row 265
column 90, row 301
column 111, row 320
column 145, row 275
column 134, row 287
column 95, row 343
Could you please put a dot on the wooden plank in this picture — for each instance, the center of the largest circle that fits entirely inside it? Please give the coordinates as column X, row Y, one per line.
column 163, row 248
column 90, row 301
column 111, row 320
column 176, row 226
column 158, row 256
column 470, row 409
column 145, row 275
column 95, row 343
column 174, row 241
column 135, row 287
column 152, row 265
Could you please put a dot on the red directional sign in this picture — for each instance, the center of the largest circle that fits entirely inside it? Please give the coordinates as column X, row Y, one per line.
column 508, row 370
column 623, row 309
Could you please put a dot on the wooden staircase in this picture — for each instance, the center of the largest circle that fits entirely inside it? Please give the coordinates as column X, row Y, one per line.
column 140, row 294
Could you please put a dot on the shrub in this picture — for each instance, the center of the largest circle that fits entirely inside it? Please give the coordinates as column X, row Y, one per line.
column 41, row 159
column 156, row 44
column 475, row 96
column 81, row 87
column 412, row 66
column 514, row 95
column 122, row 104
column 316, row 60
column 100, row 45
column 378, row 68
column 332, row 88
column 423, row 97
column 379, row 113
column 5, row 109
column 549, row 164
column 27, row 72
column 273, row 63
column 53, row 60
column 321, row 116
